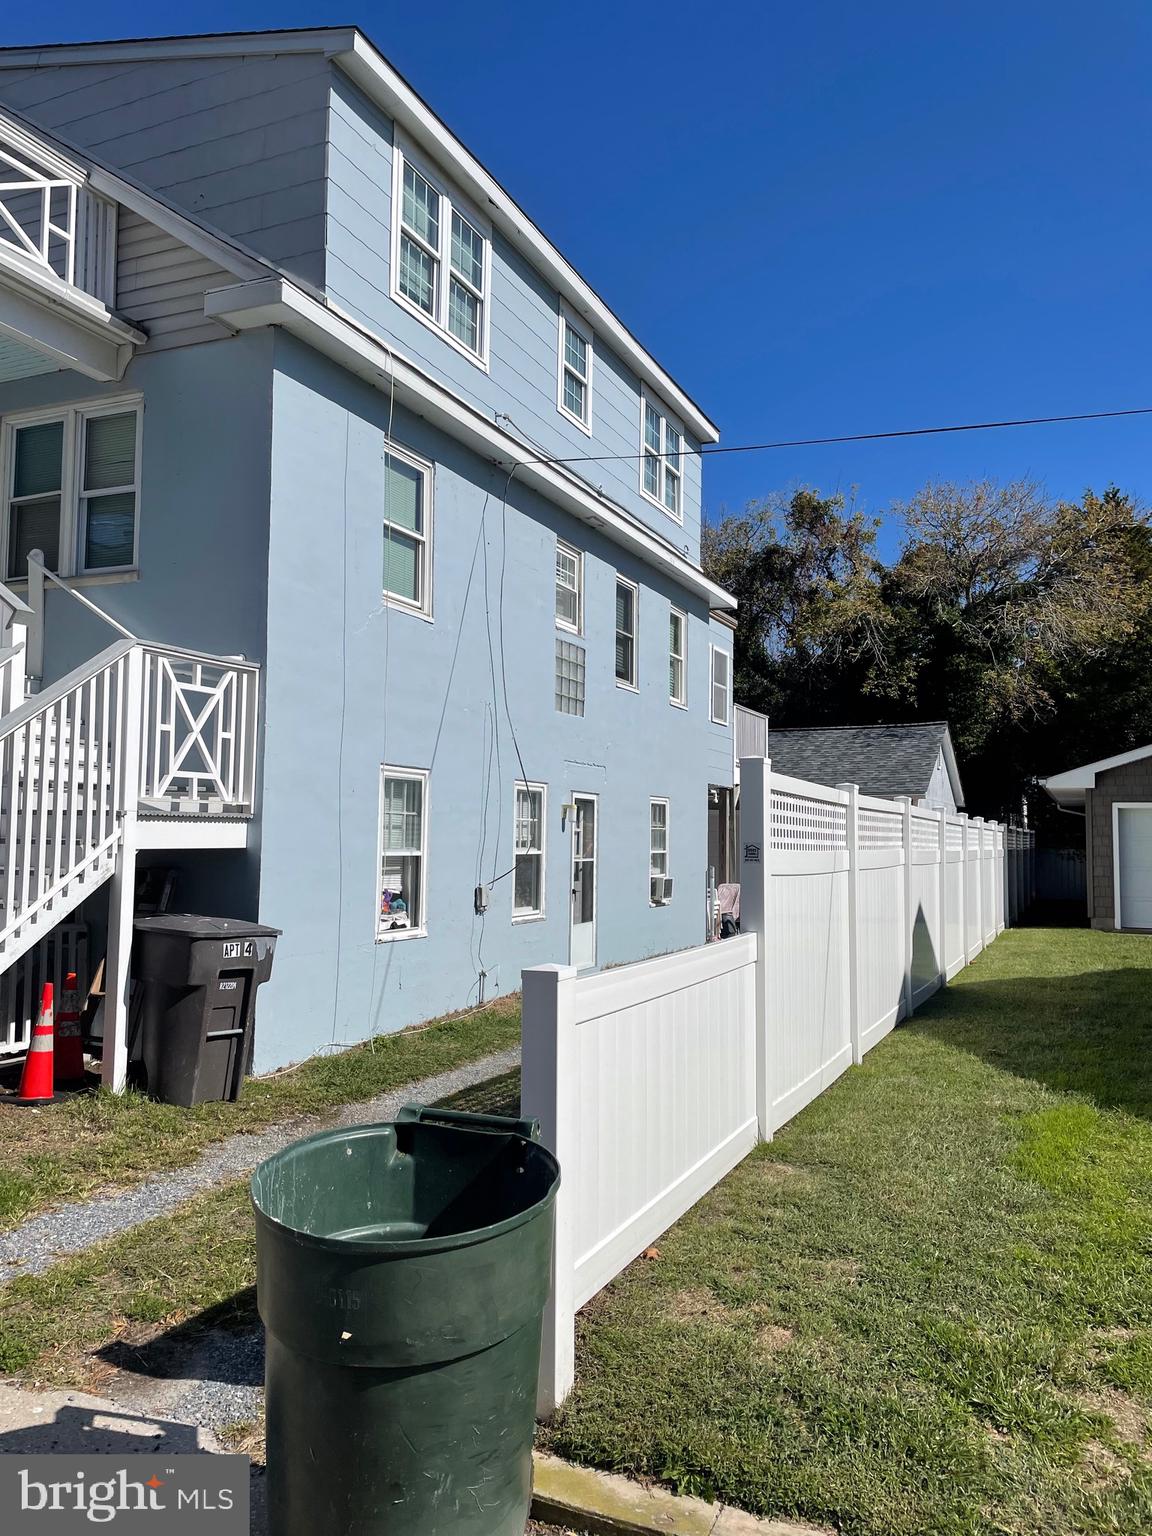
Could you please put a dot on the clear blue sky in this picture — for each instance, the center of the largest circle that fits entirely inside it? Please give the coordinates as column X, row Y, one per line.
column 822, row 218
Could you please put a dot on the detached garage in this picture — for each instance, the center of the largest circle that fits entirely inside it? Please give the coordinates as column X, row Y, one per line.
column 1115, row 796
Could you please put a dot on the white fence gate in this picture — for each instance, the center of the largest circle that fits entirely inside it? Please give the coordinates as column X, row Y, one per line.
column 652, row 1081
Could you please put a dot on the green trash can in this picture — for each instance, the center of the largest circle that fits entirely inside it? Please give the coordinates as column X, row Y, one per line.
column 401, row 1274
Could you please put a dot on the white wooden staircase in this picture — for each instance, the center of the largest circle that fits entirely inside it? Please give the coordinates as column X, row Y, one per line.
column 143, row 746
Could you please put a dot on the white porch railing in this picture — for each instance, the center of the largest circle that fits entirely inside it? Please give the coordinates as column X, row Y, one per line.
column 50, row 220
column 103, row 743
column 64, row 949
column 199, row 739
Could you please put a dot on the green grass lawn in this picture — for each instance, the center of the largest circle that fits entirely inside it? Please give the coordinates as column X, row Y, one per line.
column 926, row 1307
column 98, row 1140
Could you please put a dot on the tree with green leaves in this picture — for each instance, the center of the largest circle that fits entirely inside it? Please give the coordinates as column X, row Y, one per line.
column 1026, row 623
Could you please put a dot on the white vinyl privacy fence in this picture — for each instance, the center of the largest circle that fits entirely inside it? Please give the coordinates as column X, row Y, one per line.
column 652, row 1081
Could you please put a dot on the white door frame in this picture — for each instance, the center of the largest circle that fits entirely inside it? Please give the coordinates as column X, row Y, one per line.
column 577, row 796
column 1117, row 807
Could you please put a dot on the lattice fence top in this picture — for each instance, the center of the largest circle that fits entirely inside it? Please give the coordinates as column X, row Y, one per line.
column 925, row 832
column 955, row 834
column 803, row 824
column 881, row 829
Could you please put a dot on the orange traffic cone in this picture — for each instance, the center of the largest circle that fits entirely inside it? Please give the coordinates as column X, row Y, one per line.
column 36, row 1079
column 68, row 1057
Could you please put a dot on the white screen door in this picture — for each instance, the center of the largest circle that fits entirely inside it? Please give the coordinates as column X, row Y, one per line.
column 1134, row 865
column 583, row 952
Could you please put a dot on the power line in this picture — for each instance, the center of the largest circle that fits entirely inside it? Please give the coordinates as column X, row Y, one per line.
column 852, row 437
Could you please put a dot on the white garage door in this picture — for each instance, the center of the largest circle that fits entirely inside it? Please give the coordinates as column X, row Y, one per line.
column 1134, row 862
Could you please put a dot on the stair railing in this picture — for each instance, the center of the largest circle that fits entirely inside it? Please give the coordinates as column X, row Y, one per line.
column 63, row 788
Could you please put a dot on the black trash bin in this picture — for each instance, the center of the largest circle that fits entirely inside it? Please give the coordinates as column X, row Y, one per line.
column 401, row 1275
column 199, row 977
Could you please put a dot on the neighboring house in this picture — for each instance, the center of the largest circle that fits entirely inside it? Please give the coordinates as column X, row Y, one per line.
column 1114, row 796
column 287, row 376
column 885, row 760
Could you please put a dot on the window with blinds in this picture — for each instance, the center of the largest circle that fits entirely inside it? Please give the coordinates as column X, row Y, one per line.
column 400, row 906
column 626, row 595
column 73, row 490
column 407, row 578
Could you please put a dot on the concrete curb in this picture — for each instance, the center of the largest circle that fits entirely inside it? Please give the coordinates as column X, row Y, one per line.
column 603, row 1504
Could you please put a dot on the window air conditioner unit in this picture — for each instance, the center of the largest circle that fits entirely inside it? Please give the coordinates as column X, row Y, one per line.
column 661, row 890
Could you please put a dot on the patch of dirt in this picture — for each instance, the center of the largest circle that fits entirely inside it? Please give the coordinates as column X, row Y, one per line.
column 844, row 1271
column 1128, row 1418
column 780, row 1173
column 698, row 1306
column 1102, row 1467
column 772, row 1338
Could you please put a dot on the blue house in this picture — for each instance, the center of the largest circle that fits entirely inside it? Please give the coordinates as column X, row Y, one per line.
column 369, row 531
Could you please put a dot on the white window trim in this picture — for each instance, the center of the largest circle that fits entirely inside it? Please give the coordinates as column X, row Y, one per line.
column 682, row 701
column 666, row 418
column 578, row 556
column 568, row 318
column 420, row 929
column 74, row 414
column 531, row 914
column 713, row 652
column 422, row 609
column 449, row 201
column 667, row 870
column 632, row 684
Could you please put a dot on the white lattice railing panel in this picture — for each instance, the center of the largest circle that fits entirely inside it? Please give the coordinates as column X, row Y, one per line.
column 880, row 829
column 38, row 211
column 805, row 824
column 925, row 832
column 199, row 742
column 954, row 835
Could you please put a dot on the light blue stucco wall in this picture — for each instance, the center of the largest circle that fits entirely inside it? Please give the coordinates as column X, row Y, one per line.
column 335, row 655
column 203, row 513
column 524, row 318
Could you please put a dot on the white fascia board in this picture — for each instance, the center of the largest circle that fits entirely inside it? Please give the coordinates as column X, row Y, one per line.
column 274, row 301
column 76, row 330
column 365, row 65
column 1077, row 780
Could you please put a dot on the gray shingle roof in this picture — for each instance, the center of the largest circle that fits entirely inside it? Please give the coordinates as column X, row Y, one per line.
column 883, row 760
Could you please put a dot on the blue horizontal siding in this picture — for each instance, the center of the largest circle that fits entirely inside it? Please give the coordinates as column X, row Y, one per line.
column 239, row 142
column 523, row 321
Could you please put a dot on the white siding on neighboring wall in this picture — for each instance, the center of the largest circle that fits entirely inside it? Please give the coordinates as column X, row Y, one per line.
column 940, row 796
column 160, row 284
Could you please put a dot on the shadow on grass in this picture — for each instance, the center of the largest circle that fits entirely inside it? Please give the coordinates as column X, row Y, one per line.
column 1086, row 1033
column 223, row 1343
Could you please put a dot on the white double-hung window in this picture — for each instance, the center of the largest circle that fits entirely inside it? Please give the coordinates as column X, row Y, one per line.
column 441, row 259
column 659, row 885
column 721, row 686
column 627, row 595
column 407, row 576
column 678, row 657
column 569, row 588
column 575, row 374
column 72, row 478
column 661, row 459
column 401, row 910
column 528, row 874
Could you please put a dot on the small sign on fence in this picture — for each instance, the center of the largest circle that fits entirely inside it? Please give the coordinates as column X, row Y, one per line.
column 751, row 853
